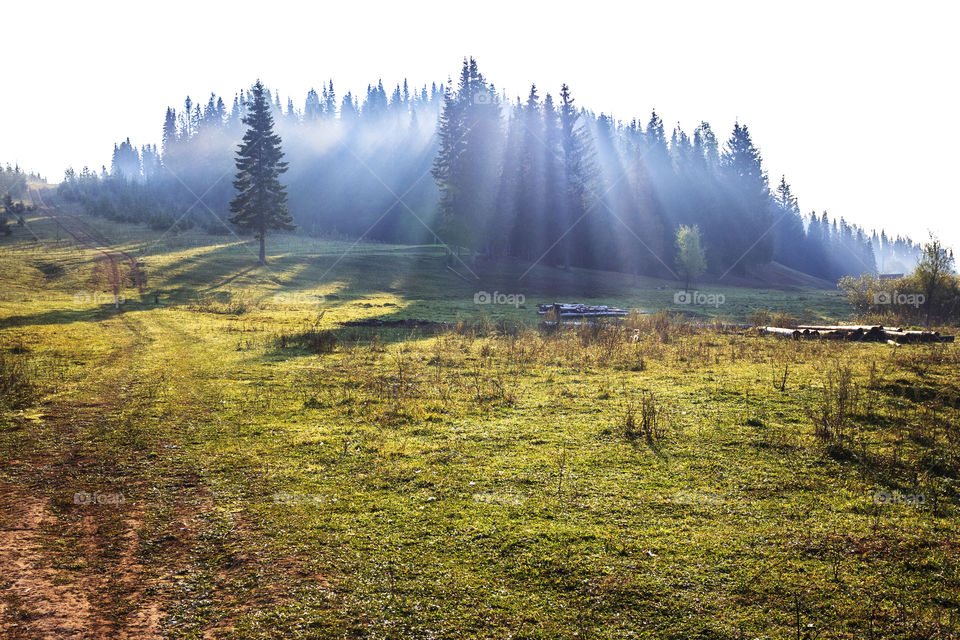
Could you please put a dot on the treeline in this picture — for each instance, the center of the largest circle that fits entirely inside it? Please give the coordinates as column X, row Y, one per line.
column 13, row 181
column 355, row 165
column 537, row 178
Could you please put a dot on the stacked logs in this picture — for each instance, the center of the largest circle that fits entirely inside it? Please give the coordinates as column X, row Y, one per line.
column 567, row 310
column 858, row 333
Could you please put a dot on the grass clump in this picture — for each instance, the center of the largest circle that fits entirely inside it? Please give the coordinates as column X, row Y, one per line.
column 18, row 379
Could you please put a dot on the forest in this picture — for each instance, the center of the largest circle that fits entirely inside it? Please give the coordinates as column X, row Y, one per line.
column 436, row 360
column 461, row 163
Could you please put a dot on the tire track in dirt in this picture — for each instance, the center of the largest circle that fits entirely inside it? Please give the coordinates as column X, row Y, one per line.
column 103, row 595
column 33, row 604
column 91, row 238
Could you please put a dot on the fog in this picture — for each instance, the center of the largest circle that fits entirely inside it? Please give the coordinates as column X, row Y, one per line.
column 542, row 179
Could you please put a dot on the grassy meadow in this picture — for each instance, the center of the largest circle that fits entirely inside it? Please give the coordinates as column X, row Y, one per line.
column 221, row 456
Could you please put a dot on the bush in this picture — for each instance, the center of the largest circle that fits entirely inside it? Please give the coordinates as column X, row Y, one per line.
column 782, row 319
column 316, row 340
column 920, row 298
column 759, row 318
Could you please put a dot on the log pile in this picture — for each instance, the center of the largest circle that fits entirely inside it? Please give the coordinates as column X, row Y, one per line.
column 567, row 310
column 858, row 333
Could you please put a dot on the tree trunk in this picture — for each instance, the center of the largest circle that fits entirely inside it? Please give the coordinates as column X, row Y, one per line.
column 263, row 250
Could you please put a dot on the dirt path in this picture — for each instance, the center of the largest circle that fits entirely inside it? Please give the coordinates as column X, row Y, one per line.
column 33, row 603
column 69, row 557
column 173, row 558
column 91, row 238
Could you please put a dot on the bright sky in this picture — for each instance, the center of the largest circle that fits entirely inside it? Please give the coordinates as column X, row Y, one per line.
column 854, row 101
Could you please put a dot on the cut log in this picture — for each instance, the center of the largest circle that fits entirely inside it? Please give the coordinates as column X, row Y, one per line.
column 781, row 331
column 860, row 332
column 863, row 327
column 917, row 336
column 833, row 335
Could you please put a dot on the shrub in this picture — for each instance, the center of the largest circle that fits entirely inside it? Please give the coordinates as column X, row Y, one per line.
column 316, row 340
column 759, row 318
column 782, row 319
column 836, row 402
column 641, row 417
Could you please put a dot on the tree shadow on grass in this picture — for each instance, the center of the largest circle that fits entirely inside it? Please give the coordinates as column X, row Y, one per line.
column 66, row 316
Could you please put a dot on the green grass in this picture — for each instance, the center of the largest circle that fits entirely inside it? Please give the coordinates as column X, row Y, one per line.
column 480, row 482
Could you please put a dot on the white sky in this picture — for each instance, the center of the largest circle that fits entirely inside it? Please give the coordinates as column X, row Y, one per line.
column 854, row 101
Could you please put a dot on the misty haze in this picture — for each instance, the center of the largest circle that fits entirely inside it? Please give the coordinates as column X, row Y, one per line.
column 633, row 333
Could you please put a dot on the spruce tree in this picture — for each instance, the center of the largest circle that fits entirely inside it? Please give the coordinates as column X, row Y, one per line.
column 261, row 201
column 209, row 118
column 313, row 108
column 348, row 109
column 169, row 140
column 790, row 245
column 578, row 171
column 529, row 213
column 553, row 178
column 748, row 203
column 186, row 131
column 467, row 162
column 330, row 101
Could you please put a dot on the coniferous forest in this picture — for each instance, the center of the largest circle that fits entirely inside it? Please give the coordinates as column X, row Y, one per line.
column 463, row 357
column 538, row 177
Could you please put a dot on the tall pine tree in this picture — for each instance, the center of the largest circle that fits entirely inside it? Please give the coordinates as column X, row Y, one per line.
column 261, row 202
column 577, row 173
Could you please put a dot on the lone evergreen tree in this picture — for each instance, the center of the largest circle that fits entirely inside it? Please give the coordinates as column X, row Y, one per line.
column 261, row 201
